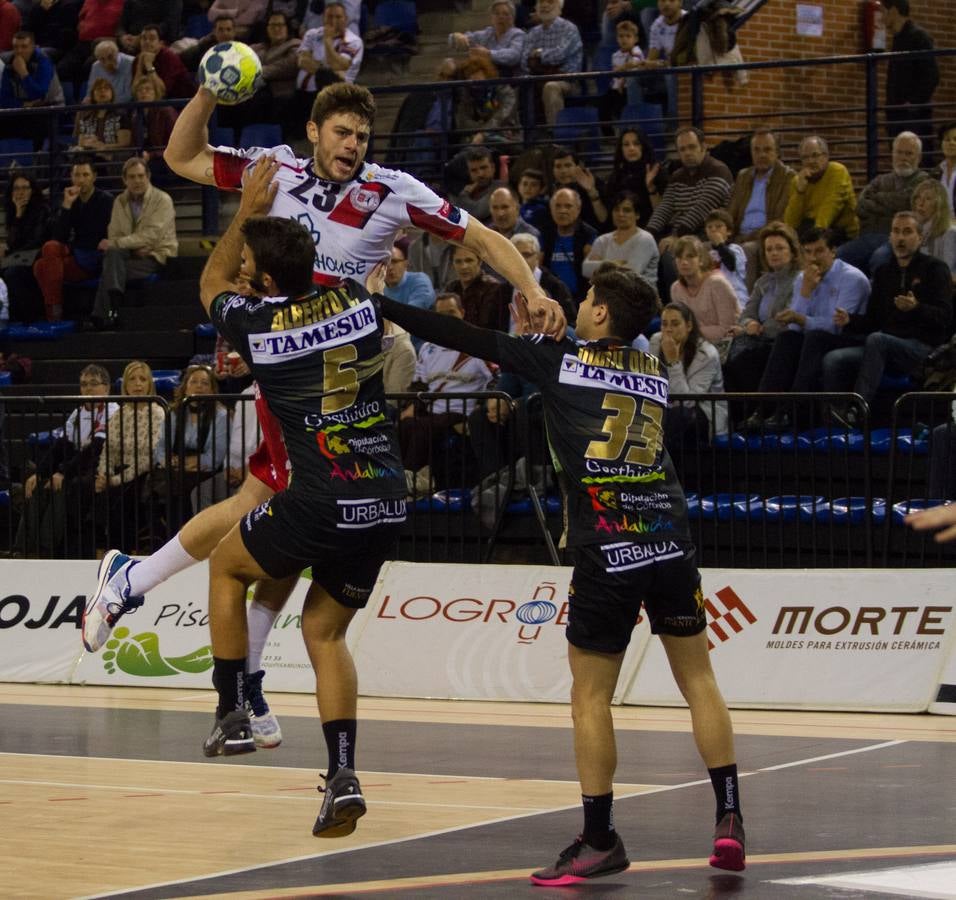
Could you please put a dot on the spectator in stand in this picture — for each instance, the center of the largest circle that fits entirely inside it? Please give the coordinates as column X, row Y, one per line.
column 246, row 15
column 823, row 292
column 697, row 187
column 534, row 198
column 61, row 488
column 910, row 309
column 27, row 217
column 567, row 171
column 505, row 214
column 223, row 30
column 500, row 43
column 402, row 286
column 931, row 206
column 629, row 245
column 199, row 429
column 635, row 169
column 155, row 57
column 701, row 286
column 475, row 197
column 627, row 56
column 423, row 427
column 165, row 15
column 567, row 241
column 946, row 170
column 279, row 57
column 486, row 113
column 910, row 83
column 294, row 11
column 530, row 249
column 315, row 9
column 822, row 195
column 102, row 131
column 758, row 326
column 153, row 127
column 81, row 223
column 882, row 198
column 693, row 367
column 25, row 83
column 483, row 300
column 552, row 47
column 660, row 45
column 760, row 195
column 53, row 23
column 9, row 24
column 731, row 260
column 141, row 237
column 132, row 434
column 114, row 67
column 400, row 359
column 98, row 21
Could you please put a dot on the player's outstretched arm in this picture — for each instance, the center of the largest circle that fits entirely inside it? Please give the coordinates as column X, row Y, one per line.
column 222, row 268
column 504, row 258
column 932, row 519
column 188, row 152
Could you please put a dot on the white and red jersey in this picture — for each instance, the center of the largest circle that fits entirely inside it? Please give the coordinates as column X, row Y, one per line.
column 354, row 223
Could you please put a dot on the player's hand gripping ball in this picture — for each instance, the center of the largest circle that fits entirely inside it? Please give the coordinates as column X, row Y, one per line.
column 231, row 71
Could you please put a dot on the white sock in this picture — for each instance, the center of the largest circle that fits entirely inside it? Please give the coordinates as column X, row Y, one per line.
column 260, row 619
column 169, row 559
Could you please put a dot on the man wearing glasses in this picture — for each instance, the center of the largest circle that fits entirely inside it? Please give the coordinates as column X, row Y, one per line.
column 822, row 194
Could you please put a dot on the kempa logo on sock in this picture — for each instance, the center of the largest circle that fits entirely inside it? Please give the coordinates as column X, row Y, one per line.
column 343, row 749
column 729, row 801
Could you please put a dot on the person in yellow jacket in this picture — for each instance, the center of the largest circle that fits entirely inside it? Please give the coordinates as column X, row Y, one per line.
column 822, row 194
column 140, row 238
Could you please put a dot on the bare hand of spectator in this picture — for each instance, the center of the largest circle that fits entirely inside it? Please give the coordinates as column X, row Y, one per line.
column 735, row 330
column 811, row 279
column 497, row 411
column 905, row 302
column 935, row 518
column 29, row 486
column 650, row 173
column 670, row 349
column 375, row 282
column 841, row 317
column 141, row 253
column 479, row 53
column 802, row 179
column 19, row 65
column 408, row 412
column 478, row 137
column 192, row 463
column 666, row 243
column 258, row 189
column 789, row 317
column 70, row 193
column 99, row 485
column 103, row 245
column 754, row 327
column 584, row 177
column 56, row 481
column 147, row 59
column 459, row 41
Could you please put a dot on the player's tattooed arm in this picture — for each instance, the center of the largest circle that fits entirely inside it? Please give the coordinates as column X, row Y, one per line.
column 222, row 269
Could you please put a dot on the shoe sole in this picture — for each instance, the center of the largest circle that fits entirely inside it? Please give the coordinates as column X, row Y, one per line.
column 566, row 880
column 343, row 823
column 728, row 854
column 102, row 579
column 230, row 747
column 264, row 744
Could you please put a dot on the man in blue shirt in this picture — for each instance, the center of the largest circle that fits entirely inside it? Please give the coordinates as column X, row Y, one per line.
column 825, row 285
column 567, row 241
column 25, row 82
column 402, row 286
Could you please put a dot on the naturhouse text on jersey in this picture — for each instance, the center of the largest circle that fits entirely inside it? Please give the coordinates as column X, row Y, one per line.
column 635, row 397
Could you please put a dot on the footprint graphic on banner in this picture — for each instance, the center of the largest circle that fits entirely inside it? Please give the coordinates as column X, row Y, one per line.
column 140, row 655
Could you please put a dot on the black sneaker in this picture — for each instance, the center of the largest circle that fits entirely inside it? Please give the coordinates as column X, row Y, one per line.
column 729, row 844
column 342, row 806
column 231, row 735
column 581, row 861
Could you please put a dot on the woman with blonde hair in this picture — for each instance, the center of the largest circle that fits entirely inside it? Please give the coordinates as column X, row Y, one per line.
column 931, row 205
column 132, row 435
column 701, row 286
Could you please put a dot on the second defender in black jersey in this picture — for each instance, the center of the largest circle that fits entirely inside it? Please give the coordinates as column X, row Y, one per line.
column 626, row 525
column 316, row 354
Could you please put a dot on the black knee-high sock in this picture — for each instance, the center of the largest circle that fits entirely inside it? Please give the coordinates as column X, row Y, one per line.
column 340, row 740
column 599, row 821
column 726, row 790
column 228, row 678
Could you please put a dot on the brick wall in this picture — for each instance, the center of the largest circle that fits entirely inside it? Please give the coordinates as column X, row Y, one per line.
column 809, row 93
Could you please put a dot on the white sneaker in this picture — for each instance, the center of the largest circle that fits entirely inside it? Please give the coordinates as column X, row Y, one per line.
column 111, row 601
column 265, row 726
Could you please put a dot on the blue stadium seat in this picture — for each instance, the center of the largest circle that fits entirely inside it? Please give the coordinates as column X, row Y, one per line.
column 40, row 331
column 905, row 507
column 16, row 150
column 4, row 499
column 648, row 117
column 602, row 63
column 398, row 14
column 205, row 330
column 260, row 135
column 5, row 377
column 724, row 507
column 197, row 26
column 221, row 137
column 577, row 126
column 454, row 500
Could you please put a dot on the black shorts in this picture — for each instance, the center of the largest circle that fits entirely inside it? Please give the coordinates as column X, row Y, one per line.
column 609, row 587
column 344, row 541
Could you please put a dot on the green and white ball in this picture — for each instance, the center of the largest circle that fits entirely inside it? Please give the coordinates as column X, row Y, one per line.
column 232, row 71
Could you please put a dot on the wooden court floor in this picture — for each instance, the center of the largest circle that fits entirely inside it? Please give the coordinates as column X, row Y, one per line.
column 104, row 792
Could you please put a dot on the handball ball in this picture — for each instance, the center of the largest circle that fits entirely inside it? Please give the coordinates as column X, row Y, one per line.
column 231, row 71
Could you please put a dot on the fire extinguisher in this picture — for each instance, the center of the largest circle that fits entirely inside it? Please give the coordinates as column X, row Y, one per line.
column 874, row 31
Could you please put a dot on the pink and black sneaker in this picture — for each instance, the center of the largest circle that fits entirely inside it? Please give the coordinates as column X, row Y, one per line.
column 580, row 862
column 729, row 844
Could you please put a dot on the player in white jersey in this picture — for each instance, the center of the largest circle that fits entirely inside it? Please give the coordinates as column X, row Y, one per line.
column 353, row 210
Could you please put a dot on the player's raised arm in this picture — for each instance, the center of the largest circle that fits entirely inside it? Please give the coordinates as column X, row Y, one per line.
column 223, row 267
column 188, row 152
column 504, row 258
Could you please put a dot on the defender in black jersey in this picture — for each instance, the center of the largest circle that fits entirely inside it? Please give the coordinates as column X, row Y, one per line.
column 626, row 526
column 316, row 354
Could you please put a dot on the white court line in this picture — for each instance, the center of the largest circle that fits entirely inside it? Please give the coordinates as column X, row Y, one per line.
column 457, row 828
column 928, row 880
